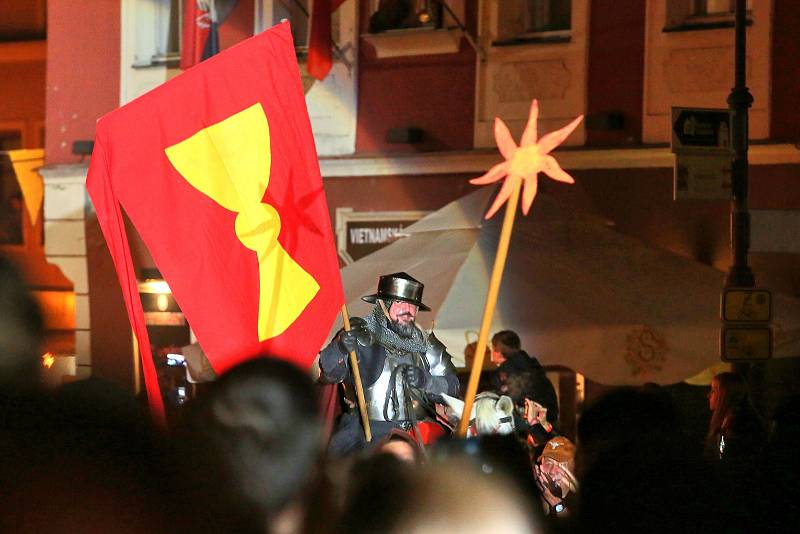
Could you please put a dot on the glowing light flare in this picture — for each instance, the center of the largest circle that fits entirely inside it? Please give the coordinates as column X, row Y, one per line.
column 154, row 286
column 162, row 302
column 48, row 359
column 526, row 161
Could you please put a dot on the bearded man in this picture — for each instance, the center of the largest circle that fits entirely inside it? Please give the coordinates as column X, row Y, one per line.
column 404, row 370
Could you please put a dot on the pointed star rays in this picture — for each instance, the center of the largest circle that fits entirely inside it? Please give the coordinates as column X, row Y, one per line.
column 526, row 161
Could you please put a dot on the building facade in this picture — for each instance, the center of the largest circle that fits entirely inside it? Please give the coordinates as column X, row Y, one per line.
column 405, row 117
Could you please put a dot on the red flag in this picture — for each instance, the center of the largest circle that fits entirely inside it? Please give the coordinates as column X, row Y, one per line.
column 218, row 172
column 195, row 32
column 319, row 40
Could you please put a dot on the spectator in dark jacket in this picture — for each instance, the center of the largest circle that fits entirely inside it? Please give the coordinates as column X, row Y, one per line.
column 521, row 376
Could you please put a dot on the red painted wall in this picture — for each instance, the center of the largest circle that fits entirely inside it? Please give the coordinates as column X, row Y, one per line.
column 784, row 119
column 639, row 203
column 23, row 100
column 435, row 93
column 83, row 48
column 616, row 69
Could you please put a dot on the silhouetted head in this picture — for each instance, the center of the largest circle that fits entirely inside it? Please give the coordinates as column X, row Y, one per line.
column 21, row 331
column 256, row 436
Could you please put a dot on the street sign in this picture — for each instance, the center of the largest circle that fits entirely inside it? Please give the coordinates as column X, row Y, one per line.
column 702, row 176
column 701, row 129
column 361, row 233
column 746, row 305
column 751, row 343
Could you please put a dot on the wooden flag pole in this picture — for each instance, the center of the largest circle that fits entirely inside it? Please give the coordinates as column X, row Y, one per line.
column 488, row 310
column 362, row 405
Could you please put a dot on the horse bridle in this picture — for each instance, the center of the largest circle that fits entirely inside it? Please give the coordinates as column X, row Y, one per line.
column 506, row 419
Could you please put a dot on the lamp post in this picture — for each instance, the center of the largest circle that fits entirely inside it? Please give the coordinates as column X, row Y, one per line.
column 739, row 101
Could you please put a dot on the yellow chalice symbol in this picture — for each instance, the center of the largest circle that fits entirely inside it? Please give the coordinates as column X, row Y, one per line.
column 230, row 163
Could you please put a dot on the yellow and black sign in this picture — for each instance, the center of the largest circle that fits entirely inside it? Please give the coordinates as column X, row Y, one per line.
column 751, row 343
column 746, row 305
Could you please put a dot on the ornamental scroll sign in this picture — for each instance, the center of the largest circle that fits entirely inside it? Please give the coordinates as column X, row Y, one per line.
column 230, row 163
column 646, row 350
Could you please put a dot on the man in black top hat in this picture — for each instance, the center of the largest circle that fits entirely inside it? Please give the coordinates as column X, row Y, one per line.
column 404, row 370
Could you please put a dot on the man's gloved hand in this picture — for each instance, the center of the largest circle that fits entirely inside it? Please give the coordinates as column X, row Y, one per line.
column 357, row 335
column 415, row 376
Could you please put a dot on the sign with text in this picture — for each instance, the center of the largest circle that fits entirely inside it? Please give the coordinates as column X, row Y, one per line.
column 701, row 129
column 750, row 343
column 702, row 143
column 746, row 305
column 702, row 176
column 361, row 233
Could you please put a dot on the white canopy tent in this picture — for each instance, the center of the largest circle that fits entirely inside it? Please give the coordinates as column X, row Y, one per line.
column 578, row 293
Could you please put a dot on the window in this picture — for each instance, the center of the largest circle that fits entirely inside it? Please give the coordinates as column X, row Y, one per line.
column 534, row 20
column 10, row 139
column 546, row 16
column 168, row 44
column 296, row 12
column 683, row 15
column 712, row 7
column 23, row 21
column 11, row 202
column 405, row 14
column 158, row 32
column 401, row 28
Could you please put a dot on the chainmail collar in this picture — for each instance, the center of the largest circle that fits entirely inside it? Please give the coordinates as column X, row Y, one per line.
column 378, row 325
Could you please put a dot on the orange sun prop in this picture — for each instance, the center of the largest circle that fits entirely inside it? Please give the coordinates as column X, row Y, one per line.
column 526, row 161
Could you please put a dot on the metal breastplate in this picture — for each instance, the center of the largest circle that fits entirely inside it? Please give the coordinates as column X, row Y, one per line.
column 377, row 394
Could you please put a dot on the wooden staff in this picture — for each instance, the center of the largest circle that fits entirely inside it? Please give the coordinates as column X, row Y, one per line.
column 488, row 310
column 362, row 404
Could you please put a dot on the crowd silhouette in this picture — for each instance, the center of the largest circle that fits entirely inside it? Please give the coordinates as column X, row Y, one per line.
column 249, row 454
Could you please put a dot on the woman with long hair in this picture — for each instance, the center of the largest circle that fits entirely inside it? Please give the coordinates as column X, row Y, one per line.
column 735, row 431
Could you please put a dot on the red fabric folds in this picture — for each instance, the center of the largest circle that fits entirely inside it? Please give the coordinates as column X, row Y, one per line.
column 320, row 58
column 191, row 234
column 196, row 26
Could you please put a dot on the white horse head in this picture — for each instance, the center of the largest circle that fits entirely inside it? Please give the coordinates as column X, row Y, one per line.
column 491, row 413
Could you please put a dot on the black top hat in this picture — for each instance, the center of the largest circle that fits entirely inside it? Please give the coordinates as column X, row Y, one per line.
column 399, row 286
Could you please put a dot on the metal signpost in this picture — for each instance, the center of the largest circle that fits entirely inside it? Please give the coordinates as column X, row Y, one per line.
column 702, row 144
column 746, row 331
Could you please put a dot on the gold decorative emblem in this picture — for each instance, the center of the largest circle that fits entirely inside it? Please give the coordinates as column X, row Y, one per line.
column 646, row 350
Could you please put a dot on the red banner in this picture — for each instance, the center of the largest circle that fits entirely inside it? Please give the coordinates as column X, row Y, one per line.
column 218, row 172
column 320, row 58
column 196, row 26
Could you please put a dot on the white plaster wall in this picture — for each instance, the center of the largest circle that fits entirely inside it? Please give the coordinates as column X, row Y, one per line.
column 512, row 76
column 65, row 201
column 696, row 69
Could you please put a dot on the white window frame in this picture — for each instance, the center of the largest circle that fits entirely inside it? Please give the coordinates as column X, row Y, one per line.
column 332, row 103
column 144, row 34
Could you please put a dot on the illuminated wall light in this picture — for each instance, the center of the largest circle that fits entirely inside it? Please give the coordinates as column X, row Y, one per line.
column 48, row 359
column 162, row 302
column 154, row 286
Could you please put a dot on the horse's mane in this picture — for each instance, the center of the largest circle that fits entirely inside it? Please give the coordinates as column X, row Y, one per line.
column 489, row 410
